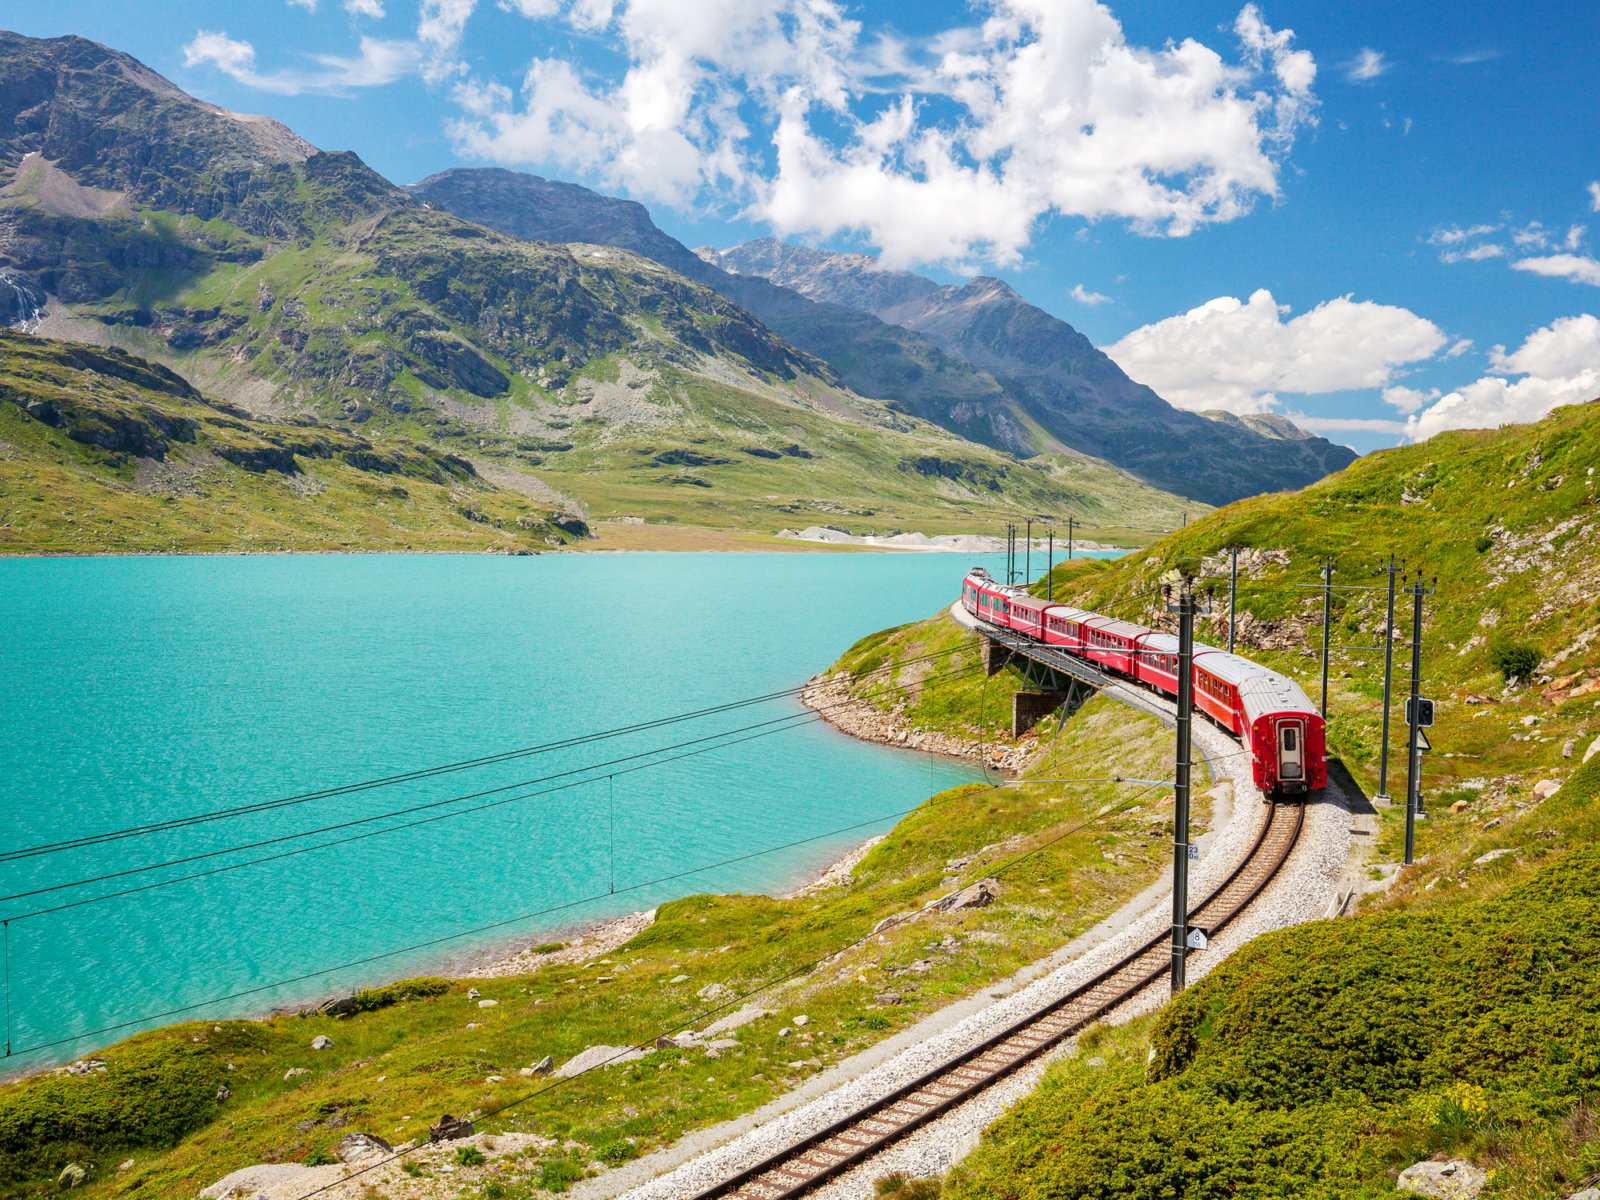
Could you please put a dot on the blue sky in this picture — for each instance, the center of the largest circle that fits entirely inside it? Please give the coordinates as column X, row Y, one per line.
column 1374, row 217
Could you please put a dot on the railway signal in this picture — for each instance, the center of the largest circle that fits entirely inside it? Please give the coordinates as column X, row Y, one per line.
column 1187, row 607
column 1416, row 715
column 1393, row 568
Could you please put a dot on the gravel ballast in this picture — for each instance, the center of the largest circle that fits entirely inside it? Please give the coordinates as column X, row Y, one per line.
column 1302, row 891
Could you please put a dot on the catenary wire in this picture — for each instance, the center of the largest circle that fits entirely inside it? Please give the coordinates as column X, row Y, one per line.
column 430, row 772
column 598, row 770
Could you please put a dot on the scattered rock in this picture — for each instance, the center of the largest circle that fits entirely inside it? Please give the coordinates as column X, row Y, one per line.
column 449, row 1129
column 713, row 1052
column 803, row 1020
column 1460, row 805
column 1586, row 1194
column 525, row 1071
column 786, row 1031
column 338, row 1008
column 723, row 1044
column 72, row 1175
column 253, row 1181
column 488, row 1004
column 1492, row 855
column 977, row 895
column 1475, row 698
column 223, row 1093
column 598, row 1056
column 1453, row 1180
column 359, row 1149
column 888, row 998
column 1096, row 1061
column 473, row 993
column 544, row 1066
column 1545, row 788
column 1594, row 748
column 125, row 1165
column 322, row 1042
column 679, row 979
column 891, row 921
column 295, row 1072
column 711, row 991
column 1568, row 748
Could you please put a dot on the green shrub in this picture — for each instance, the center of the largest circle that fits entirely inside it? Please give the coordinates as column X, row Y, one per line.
column 615, row 1153
column 559, row 1174
column 1514, row 659
column 548, row 948
column 1483, row 543
column 469, row 1156
column 373, row 999
column 151, row 1094
column 318, row 1158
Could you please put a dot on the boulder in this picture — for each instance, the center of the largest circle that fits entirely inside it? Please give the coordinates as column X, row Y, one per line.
column 1453, row 1180
column 125, row 1165
column 450, row 1129
column 322, row 1042
column 802, row 1019
column 598, row 1056
column 359, row 1149
column 977, row 895
column 72, row 1175
column 711, row 991
column 887, row 999
column 1485, row 859
column 544, row 1066
column 1545, row 788
column 473, row 993
column 338, row 1008
column 488, row 1004
column 253, row 1181
column 1594, row 748
column 295, row 1072
column 1586, row 1194
column 1568, row 748
column 679, row 979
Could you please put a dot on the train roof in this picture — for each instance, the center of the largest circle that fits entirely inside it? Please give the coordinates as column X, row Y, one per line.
column 1033, row 603
column 1160, row 643
column 1067, row 612
column 1121, row 628
column 1229, row 668
column 1270, row 692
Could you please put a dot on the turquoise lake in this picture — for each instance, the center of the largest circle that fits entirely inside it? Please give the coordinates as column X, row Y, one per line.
column 139, row 690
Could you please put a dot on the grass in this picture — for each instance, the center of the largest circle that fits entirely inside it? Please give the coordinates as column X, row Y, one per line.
column 1065, row 856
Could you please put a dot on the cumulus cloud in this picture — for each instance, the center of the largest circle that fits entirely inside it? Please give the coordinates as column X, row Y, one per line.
column 1594, row 195
column 1366, row 66
column 1238, row 355
column 379, row 62
column 1454, row 235
column 1558, row 364
column 1475, row 254
column 1408, row 400
column 1092, row 299
column 944, row 149
column 365, row 8
column 1579, row 268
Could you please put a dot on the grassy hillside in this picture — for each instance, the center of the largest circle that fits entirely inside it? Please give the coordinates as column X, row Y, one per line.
column 1458, row 1013
column 100, row 450
column 295, row 282
column 1065, row 856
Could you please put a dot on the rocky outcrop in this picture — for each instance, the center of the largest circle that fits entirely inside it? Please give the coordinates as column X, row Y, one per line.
column 833, row 699
column 1453, row 1180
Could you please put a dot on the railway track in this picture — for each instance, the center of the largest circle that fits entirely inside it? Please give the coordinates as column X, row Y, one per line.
column 851, row 1141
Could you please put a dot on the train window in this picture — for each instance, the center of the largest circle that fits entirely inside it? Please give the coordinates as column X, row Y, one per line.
column 1288, row 739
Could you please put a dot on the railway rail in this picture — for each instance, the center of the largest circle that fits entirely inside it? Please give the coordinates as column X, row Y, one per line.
column 858, row 1137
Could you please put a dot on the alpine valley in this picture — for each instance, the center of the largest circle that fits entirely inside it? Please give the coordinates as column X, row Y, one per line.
column 542, row 359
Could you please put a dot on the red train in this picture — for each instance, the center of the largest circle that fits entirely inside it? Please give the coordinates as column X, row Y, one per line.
column 1269, row 713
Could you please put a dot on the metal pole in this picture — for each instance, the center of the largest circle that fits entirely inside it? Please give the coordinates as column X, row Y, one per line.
column 1233, row 592
column 1050, row 569
column 1070, row 524
column 1413, row 783
column 1388, row 679
column 1027, row 570
column 1180, row 791
column 1327, row 609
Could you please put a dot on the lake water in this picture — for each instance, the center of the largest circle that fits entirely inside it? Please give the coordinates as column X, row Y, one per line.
column 137, row 690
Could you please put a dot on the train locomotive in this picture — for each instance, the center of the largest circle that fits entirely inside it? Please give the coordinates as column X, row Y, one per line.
column 1276, row 723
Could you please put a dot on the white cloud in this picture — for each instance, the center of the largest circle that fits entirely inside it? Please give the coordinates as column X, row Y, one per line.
column 1594, row 195
column 1085, row 297
column 364, row 8
column 1475, row 254
column 1366, row 66
column 1578, row 268
column 1459, row 348
column 1559, row 364
column 439, row 27
column 1408, row 400
column 1238, row 355
column 533, row 9
column 1455, row 234
column 309, row 5
column 379, row 62
column 945, row 149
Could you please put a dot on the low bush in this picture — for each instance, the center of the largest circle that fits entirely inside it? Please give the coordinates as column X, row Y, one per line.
column 373, row 999
column 1513, row 658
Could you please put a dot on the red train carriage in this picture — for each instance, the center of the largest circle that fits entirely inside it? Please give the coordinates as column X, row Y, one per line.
column 1280, row 729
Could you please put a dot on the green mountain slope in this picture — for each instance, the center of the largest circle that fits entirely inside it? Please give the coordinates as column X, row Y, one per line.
column 978, row 360
column 294, row 282
column 1457, row 1015
column 102, row 450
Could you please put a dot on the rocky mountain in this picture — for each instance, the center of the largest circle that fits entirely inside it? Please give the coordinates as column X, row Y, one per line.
column 295, row 282
column 1076, row 395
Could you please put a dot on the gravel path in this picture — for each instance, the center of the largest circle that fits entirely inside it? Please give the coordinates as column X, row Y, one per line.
column 1306, row 888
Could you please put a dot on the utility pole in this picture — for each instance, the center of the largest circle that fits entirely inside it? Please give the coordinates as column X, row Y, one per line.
column 1009, row 529
column 1070, row 526
column 1388, row 677
column 1050, row 568
column 1233, row 592
column 1327, row 611
column 1414, row 719
column 1186, row 608
column 1027, row 570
